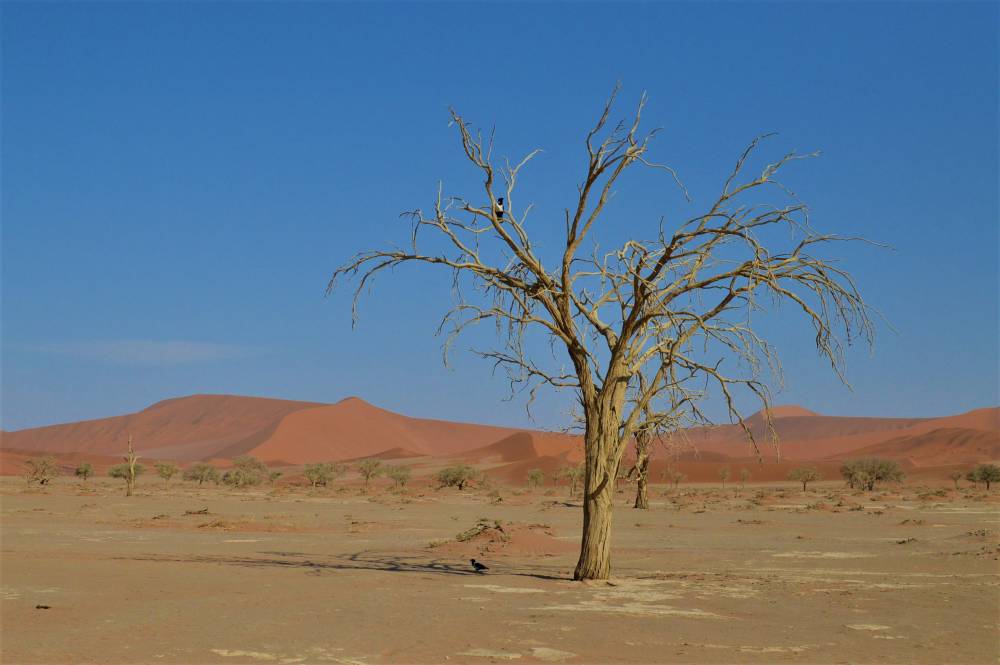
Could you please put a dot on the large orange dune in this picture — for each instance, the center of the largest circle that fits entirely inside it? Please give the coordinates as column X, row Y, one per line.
column 353, row 428
column 221, row 427
column 946, row 445
column 817, row 437
column 185, row 428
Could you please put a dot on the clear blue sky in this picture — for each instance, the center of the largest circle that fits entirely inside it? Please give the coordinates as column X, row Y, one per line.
column 179, row 179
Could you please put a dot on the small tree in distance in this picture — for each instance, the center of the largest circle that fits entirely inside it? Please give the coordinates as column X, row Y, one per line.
column 725, row 473
column 247, row 471
column 131, row 468
column 322, row 473
column 984, row 473
column 866, row 472
column 456, row 476
column 40, row 470
column 674, row 476
column 166, row 470
column 399, row 475
column 84, row 471
column 744, row 477
column 202, row 472
column 955, row 477
column 369, row 469
column 573, row 475
column 128, row 473
column 273, row 476
column 535, row 478
column 804, row 475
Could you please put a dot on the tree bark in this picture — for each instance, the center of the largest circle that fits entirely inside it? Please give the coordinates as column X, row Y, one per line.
column 595, row 549
column 604, row 452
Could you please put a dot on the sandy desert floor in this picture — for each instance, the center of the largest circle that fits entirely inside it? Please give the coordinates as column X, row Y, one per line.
column 288, row 576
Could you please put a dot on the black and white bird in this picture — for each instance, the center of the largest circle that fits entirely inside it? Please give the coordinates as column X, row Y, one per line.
column 498, row 209
column 478, row 567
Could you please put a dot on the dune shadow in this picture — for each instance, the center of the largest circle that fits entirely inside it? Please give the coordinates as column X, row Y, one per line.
column 365, row 560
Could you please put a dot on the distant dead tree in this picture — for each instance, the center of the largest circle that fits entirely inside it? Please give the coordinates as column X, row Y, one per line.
column 671, row 304
column 725, row 473
column 744, row 477
column 130, row 468
column 40, row 470
column 674, row 476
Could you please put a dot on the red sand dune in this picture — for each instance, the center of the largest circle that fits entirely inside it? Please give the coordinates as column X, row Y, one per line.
column 939, row 447
column 221, row 427
column 185, row 428
column 821, row 437
column 528, row 445
column 352, row 429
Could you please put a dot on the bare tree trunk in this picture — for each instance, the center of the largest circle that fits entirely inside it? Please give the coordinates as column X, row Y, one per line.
column 604, row 453
column 595, row 549
column 131, row 460
column 641, row 469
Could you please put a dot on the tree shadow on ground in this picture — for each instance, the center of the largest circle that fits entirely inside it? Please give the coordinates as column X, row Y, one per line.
column 365, row 560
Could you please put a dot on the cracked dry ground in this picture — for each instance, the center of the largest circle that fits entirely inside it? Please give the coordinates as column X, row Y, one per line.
column 702, row 577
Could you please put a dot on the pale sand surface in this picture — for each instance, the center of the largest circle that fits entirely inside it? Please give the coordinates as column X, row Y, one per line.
column 290, row 577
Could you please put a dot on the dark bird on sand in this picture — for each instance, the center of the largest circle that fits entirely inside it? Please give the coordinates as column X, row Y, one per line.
column 478, row 567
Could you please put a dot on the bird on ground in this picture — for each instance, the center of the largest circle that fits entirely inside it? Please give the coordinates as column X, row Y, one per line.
column 498, row 208
column 478, row 567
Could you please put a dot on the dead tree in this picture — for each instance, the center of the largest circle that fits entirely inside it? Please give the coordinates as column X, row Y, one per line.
column 130, row 460
column 674, row 308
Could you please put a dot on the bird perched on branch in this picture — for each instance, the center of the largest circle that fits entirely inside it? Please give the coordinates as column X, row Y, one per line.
column 498, row 208
column 476, row 566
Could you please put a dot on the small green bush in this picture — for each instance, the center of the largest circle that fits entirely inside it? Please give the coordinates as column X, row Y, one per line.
column 369, row 469
column 866, row 472
column 456, row 476
column 400, row 475
column 535, row 478
column 247, row 471
column 121, row 471
column 322, row 473
column 202, row 472
column 984, row 473
column 804, row 475
column 166, row 470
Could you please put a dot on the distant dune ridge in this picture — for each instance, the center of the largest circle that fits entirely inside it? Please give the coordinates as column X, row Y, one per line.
column 221, row 427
